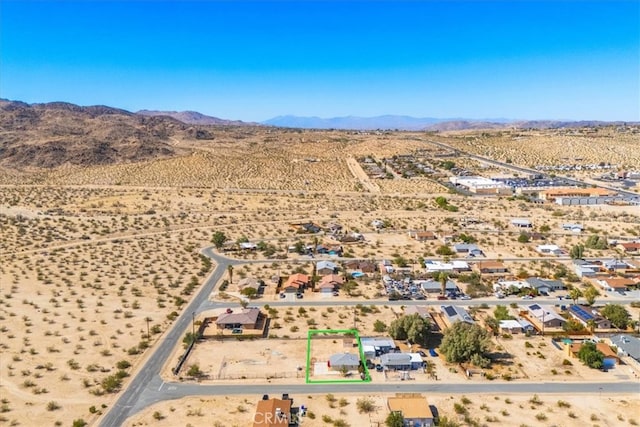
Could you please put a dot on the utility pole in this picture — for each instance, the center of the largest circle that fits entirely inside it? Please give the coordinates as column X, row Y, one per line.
column 148, row 334
column 193, row 325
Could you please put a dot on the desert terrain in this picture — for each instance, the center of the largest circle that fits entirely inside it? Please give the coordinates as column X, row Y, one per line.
column 98, row 260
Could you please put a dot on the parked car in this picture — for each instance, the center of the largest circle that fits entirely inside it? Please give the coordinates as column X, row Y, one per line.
column 465, row 297
column 422, row 353
column 370, row 364
column 229, row 311
column 299, row 295
column 282, row 295
column 236, row 331
column 433, row 353
column 527, row 297
column 379, row 367
column 442, row 297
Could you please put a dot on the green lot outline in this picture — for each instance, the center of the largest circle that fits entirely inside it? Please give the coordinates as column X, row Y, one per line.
column 354, row 332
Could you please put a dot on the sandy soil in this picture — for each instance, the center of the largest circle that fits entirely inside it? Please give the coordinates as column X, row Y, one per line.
column 100, row 257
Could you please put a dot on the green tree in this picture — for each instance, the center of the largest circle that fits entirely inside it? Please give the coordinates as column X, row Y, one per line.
column 444, row 250
column 394, row 419
column 249, row 292
column 524, row 238
column 349, row 287
column 443, row 278
column 218, row 239
column 575, row 294
column 577, row 251
column 573, row 325
column 464, row 340
column 414, row 328
column 194, row 371
column 493, row 324
column 590, row 355
column 379, row 326
column 111, row 384
column 596, row 242
column 501, row 312
column 590, row 295
column 617, row 314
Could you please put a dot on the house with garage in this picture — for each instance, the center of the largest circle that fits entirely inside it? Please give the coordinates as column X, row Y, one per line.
column 629, row 247
column 396, row 361
column 454, row 266
column 432, row 286
column 455, row 313
column 414, row 408
column 615, row 284
column 342, row 361
column 521, row 223
column 295, row 283
column 381, row 345
column 249, row 282
column 610, row 358
column 274, row 413
column 549, row 250
column 330, row 283
column 246, row 318
column 364, row 266
column 467, row 248
column 628, row 346
column 515, row 326
column 420, row 310
column 326, row 267
column 423, row 236
column 491, row 267
column 544, row 286
column 585, row 268
column 542, row 317
column 587, row 316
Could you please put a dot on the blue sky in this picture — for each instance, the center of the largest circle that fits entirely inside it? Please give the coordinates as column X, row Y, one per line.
column 256, row 60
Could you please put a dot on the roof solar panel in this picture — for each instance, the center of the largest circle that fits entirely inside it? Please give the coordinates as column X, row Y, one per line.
column 534, row 307
column 450, row 310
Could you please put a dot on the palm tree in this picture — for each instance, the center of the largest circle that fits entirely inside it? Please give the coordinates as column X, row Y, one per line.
column 443, row 277
column 230, row 270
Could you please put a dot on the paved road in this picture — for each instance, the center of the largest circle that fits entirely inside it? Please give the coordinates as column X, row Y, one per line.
column 147, row 387
column 147, row 380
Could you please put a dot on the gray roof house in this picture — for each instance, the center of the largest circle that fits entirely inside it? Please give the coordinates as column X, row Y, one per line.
column 380, row 344
column 326, row 267
column 433, row 286
column 627, row 346
column 340, row 361
column 396, row 361
column 545, row 285
column 454, row 313
column 467, row 248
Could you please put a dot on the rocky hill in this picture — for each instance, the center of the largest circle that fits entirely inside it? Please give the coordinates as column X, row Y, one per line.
column 195, row 118
column 58, row 133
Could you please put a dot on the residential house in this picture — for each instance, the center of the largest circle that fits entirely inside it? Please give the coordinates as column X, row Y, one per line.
column 341, row 361
column 274, row 413
column 574, row 228
column 296, row 283
column 521, row 223
column 361, row 265
column 468, row 248
column 435, row 286
column 544, row 318
column 549, row 250
column 396, row 361
column 246, row 318
column 627, row 345
column 515, row 326
column 587, row 315
column 248, row 282
column 420, row 310
column 381, row 345
column 455, row 313
column 377, row 224
column 248, row 246
column 585, row 268
column 610, row 357
column 330, row 283
column 329, row 250
column 450, row 267
column 491, row 267
column 630, row 247
column 423, row 236
column 616, row 265
column 544, row 286
column 615, row 284
column 414, row 408
column 326, row 267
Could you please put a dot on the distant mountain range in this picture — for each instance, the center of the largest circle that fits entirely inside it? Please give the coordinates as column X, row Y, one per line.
column 195, row 118
column 425, row 123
